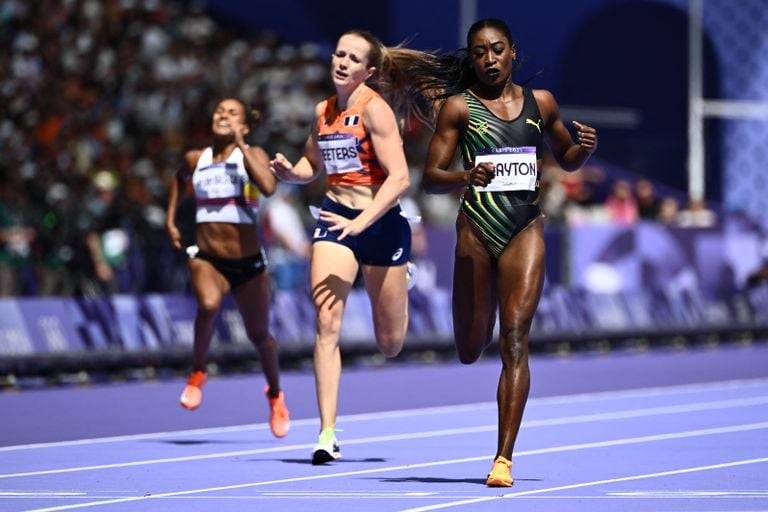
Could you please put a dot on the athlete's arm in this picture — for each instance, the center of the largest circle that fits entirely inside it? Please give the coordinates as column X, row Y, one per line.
column 174, row 191
column 256, row 162
column 570, row 155
column 309, row 166
column 437, row 179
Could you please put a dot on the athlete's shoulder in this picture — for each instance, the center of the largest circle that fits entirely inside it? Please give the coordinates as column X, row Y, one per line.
column 544, row 96
column 192, row 156
column 546, row 102
column 374, row 103
column 322, row 106
column 455, row 106
column 255, row 150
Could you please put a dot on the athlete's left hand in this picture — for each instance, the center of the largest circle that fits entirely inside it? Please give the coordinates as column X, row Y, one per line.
column 344, row 225
column 239, row 130
column 586, row 136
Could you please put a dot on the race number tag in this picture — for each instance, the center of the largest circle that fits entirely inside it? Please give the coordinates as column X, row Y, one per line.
column 515, row 168
column 339, row 153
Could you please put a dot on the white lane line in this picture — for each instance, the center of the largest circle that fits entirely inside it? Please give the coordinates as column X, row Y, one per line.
column 405, row 413
column 566, row 420
column 652, row 411
column 673, row 472
column 649, row 392
column 582, row 446
column 41, row 494
column 688, row 494
column 425, row 411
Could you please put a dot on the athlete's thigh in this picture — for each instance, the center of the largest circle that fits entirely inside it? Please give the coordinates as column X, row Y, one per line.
column 387, row 289
column 521, row 275
column 208, row 285
column 333, row 270
column 474, row 289
column 253, row 299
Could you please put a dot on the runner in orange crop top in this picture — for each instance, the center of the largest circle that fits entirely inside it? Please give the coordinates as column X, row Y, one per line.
column 356, row 151
column 356, row 140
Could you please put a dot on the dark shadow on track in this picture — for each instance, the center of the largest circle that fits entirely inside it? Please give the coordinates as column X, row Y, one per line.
column 340, row 461
column 195, row 442
column 434, row 480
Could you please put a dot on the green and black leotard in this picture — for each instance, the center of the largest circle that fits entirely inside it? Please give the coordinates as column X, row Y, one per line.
column 515, row 147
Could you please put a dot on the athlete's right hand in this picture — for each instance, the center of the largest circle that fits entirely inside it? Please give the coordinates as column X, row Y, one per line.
column 175, row 235
column 281, row 167
column 482, row 174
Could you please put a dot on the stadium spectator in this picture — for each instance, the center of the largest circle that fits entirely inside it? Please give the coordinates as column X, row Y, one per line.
column 620, row 205
column 696, row 215
column 648, row 203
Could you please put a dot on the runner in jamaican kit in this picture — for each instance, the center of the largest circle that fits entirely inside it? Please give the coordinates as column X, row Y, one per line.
column 499, row 127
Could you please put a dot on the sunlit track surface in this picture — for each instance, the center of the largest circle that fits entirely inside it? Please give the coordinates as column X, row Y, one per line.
column 617, row 432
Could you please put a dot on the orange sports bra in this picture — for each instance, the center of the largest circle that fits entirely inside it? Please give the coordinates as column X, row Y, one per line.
column 346, row 146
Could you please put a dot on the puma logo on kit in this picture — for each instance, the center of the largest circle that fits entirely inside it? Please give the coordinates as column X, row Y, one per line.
column 528, row 120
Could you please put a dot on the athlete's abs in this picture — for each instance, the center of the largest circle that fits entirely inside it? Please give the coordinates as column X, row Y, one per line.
column 227, row 240
column 358, row 197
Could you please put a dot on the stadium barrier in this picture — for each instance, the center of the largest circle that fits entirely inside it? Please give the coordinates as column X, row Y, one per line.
column 618, row 284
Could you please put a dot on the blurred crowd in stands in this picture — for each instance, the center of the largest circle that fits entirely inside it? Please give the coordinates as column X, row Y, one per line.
column 98, row 101
column 100, row 98
column 593, row 195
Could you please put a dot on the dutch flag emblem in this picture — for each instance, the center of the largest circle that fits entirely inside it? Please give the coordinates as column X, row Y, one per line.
column 351, row 120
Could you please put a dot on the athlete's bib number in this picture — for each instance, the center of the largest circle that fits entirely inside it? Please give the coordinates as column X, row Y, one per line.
column 339, row 153
column 515, row 168
column 219, row 180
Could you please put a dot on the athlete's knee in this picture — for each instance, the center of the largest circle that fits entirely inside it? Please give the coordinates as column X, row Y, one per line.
column 390, row 337
column 259, row 337
column 208, row 305
column 469, row 348
column 470, row 343
column 513, row 343
column 390, row 344
column 468, row 356
column 328, row 323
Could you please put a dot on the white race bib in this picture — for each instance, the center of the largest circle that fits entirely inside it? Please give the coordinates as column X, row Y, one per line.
column 339, row 152
column 219, row 180
column 515, row 168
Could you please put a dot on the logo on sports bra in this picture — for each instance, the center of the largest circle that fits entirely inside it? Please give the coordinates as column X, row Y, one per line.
column 397, row 254
column 482, row 128
column 528, row 120
column 351, row 120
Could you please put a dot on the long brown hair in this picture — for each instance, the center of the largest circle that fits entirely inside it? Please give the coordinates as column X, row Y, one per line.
column 416, row 83
column 407, row 78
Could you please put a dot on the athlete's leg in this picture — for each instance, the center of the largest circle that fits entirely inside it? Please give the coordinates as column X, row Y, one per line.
column 209, row 287
column 387, row 289
column 332, row 272
column 474, row 294
column 520, row 281
column 252, row 299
